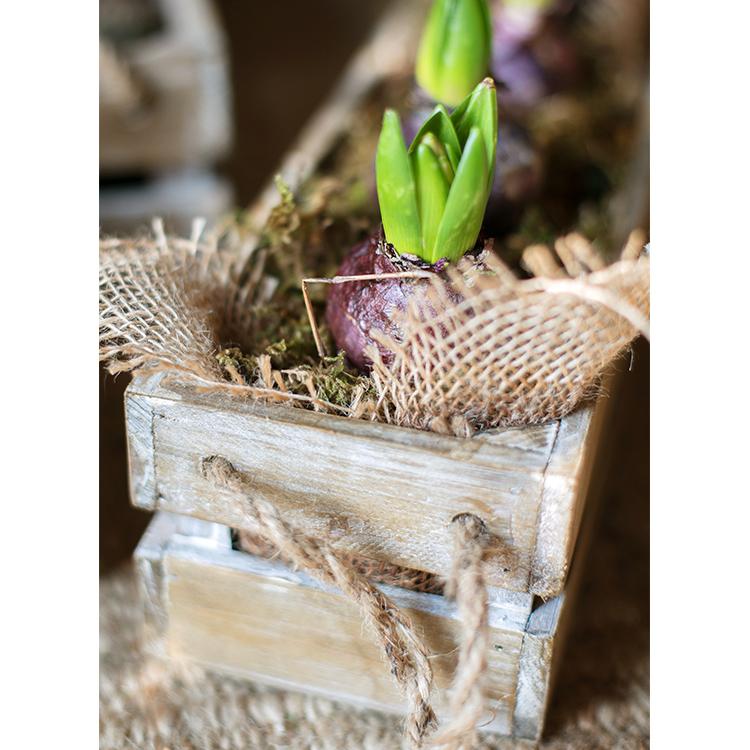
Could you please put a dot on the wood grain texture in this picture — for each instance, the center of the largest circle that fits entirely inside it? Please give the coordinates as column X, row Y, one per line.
column 235, row 613
column 567, row 477
column 378, row 490
column 257, row 619
column 547, row 628
column 139, row 421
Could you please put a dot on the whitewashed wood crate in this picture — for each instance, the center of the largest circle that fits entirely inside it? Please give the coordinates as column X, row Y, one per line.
column 250, row 617
column 377, row 490
column 164, row 97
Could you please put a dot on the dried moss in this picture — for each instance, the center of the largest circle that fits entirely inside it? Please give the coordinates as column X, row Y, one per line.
column 306, row 235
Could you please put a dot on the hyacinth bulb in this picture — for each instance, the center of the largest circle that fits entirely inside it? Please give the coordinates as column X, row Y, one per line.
column 433, row 195
column 454, row 53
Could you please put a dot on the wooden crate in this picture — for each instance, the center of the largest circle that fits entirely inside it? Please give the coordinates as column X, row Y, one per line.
column 385, row 492
column 377, row 490
column 178, row 198
column 164, row 97
column 249, row 617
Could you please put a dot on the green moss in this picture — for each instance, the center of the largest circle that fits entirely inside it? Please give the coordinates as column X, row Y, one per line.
column 306, row 235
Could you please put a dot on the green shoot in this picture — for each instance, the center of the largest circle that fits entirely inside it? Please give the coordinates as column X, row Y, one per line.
column 455, row 49
column 433, row 195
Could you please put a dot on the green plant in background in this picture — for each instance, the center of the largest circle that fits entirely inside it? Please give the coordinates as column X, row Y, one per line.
column 433, row 196
column 455, row 49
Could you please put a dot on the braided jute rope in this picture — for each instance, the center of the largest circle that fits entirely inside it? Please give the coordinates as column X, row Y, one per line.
column 467, row 586
column 404, row 649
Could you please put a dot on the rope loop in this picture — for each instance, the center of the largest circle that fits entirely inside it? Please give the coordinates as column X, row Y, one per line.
column 468, row 587
column 404, row 650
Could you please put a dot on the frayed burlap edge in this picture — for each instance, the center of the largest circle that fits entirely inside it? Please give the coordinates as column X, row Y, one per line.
column 509, row 352
column 513, row 352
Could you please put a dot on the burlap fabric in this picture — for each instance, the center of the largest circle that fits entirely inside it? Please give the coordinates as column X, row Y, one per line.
column 516, row 351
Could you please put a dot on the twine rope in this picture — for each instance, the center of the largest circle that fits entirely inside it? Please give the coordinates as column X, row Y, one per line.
column 467, row 586
column 404, row 649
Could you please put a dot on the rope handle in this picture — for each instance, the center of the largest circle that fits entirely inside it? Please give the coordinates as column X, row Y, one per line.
column 405, row 651
column 395, row 634
column 467, row 586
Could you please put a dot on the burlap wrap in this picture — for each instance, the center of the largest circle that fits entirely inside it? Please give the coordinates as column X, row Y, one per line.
column 516, row 351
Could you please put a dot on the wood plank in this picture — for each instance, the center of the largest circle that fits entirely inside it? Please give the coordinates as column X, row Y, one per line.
column 547, row 629
column 139, row 420
column 257, row 619
column 385, row 492
column 164, row 529
column 382, row 491
column 574, row 456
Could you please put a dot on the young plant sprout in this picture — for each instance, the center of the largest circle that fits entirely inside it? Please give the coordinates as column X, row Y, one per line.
column 454, row 53
column 432, row 197
column 432, row 201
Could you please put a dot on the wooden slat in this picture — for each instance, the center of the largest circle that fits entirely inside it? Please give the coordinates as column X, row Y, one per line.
column 249, row 617
column 565, row 488
column 377, row 490
column 385, row 492
column 542, row 650
column 235, row 613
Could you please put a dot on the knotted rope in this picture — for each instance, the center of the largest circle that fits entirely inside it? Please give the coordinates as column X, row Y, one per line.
column 467, row 586
column 404, row 650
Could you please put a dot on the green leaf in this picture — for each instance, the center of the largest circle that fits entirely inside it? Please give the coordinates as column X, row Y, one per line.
column 440, row 125
column 432, row 193
column 455, row 49
column 437, row 148
column 479, row 110
column 396, row 188
column 467, row 199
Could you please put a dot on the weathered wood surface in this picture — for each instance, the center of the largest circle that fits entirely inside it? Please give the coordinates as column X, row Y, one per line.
column 255, row 618
column 546, row 632
column 378, row 490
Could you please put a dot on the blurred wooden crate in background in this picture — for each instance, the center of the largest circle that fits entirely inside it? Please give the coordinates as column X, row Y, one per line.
column 164, row 113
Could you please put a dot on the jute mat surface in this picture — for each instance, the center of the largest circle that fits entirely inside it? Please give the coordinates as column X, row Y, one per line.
column 601, row 700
